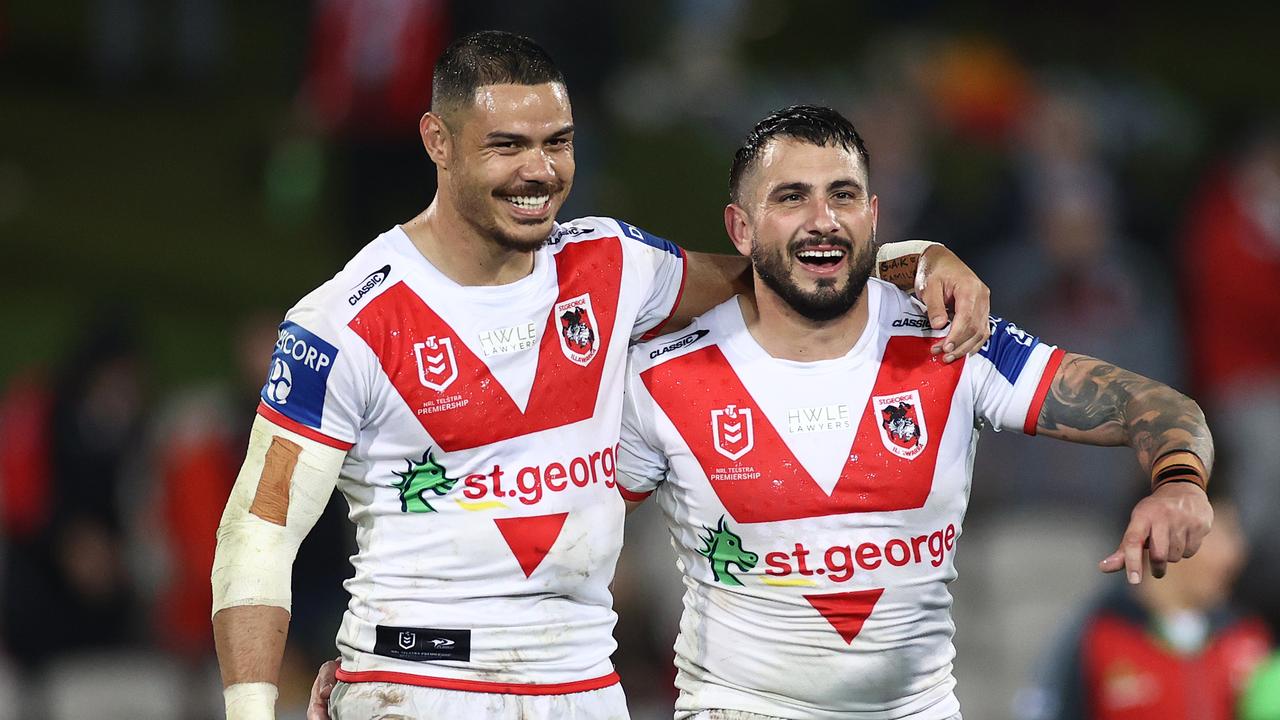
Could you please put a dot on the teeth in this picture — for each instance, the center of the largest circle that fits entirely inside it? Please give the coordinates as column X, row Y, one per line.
column 821, row 253
column 529, row 202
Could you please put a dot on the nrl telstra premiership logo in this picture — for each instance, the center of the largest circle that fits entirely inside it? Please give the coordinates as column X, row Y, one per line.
column 437, row 367
column 732, row 431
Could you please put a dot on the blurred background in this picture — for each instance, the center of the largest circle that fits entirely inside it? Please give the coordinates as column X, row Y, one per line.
column 175, row 174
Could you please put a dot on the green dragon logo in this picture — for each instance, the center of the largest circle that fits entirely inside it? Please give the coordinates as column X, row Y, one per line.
column 422, row 476
column 724, row 547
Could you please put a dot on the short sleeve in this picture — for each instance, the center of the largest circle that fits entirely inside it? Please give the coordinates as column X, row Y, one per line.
column 312, row 384
column 662, row 268
column 641, row 465
column 1011, row 376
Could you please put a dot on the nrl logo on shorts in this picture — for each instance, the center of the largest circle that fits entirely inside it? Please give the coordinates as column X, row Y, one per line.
column 732, row 432
column 437, row 368
column 579, row 336
column 902, row 427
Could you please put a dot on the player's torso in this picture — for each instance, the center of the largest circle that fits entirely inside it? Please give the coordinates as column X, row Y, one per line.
column 482, row 481
column 815, row 509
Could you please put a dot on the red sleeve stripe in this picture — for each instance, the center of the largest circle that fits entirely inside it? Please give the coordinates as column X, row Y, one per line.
column 632, row 496
column 684, row 277
column 1042, row 391
column 481, row 686
column 294, row 426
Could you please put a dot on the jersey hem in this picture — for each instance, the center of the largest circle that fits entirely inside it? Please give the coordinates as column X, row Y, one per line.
column 630, row 496
column 292, row 425
column 684, row 279
column 480, row 686
column 1042, row 391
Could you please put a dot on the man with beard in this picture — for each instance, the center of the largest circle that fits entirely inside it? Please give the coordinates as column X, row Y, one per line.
column 460, row 381
column 813, row 459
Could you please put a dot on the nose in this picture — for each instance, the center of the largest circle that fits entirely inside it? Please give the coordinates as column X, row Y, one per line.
column 539, row 166
column 822, row 219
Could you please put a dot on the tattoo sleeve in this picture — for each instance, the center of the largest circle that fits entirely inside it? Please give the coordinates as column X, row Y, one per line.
column 1094, row 402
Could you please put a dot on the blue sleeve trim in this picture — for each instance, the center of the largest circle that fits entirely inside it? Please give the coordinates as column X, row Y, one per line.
column 652, row 241
column 298, row 379
column 1009, row 348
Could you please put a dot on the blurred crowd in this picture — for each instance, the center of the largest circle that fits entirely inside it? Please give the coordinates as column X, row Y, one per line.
column 1109, row 212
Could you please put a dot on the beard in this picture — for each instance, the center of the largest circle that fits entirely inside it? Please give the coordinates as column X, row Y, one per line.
column 829, row 300
column 475, row 206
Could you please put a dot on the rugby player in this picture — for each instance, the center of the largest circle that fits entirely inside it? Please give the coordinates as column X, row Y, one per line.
column 813, row 459
column 460, row 381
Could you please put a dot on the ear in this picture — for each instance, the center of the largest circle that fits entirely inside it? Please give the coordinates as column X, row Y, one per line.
column 436, row 139
column 738, row 226
column 875, row 212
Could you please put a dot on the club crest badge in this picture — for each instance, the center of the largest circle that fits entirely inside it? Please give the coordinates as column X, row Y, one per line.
column 437, row 368
column 579, row 335
column 732, row 431
column 901, row 423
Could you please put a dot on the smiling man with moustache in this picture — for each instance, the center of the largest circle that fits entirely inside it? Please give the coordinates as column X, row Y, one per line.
column 485, row 342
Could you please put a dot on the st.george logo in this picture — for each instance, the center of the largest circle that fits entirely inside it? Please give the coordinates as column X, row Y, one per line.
column 579, row 335
column 901, row 423
column 732, row 432
column 437, row 368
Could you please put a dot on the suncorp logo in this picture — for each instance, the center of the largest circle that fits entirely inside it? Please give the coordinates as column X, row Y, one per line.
column 293, row 345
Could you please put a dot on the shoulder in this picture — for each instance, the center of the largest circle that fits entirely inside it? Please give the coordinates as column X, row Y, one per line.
column 586, row 229
column 899, row 313
column 705, row 331
column 373, row 270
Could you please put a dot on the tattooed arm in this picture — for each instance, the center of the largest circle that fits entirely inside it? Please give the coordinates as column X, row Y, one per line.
column 1097, row 403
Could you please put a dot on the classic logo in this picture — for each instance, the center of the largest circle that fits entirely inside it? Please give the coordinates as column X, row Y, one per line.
column 373, row 280
column 579, row 338
column 914, row 320
column 732, row 431
column 437, row 368
column 902, row 427
column 407, row 640
column 683, row 341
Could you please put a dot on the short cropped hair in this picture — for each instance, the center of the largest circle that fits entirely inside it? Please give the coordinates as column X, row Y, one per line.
column 810, row 123
column 488, row 57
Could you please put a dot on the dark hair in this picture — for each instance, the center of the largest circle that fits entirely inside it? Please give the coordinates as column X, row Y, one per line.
column 810, row 123
column 488, row 57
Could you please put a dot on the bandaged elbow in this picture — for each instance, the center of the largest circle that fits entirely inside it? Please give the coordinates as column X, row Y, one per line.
column 282, row 489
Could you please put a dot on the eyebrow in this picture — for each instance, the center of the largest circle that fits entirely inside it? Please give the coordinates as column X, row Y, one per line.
column 797, row 186
column 500, row 135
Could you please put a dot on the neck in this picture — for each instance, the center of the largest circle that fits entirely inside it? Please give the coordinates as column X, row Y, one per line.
column 787, row 335
column 464, row 255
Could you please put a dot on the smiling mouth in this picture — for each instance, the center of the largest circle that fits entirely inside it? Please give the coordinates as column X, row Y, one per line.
column 821, row 258
column 529, row 205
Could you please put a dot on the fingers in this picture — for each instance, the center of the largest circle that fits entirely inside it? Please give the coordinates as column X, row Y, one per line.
column 935, row 304
column 1113, row 562
column 969, row 326
column 1135, row 537
column 321, row 690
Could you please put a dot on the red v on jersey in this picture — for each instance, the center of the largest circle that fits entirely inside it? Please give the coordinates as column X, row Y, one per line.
column 473, row 409
column 531, row 538
column 767, row 482
column 846, row 611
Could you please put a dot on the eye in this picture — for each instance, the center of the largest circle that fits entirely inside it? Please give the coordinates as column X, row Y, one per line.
column 791, row 198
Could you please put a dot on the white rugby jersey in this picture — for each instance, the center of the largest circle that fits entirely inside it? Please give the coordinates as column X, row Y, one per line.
column 815, row 506
column 480, row 425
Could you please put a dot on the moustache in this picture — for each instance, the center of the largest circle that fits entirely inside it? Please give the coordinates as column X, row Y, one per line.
column 529, row 188
column 828, row 241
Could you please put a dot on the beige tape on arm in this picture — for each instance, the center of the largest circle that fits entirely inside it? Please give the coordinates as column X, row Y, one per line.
column 896, row 262
column 250, row 701
column 282, row 488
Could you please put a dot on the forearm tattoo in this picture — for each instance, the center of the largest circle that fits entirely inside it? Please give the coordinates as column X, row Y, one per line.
column 1094, row 402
